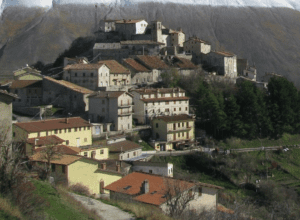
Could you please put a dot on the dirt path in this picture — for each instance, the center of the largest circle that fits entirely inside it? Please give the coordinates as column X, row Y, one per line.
column 106, row 212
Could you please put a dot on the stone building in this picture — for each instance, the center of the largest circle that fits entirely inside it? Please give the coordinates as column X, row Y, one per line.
column 76, row 60
column 64, row 94
column 122, row 149
column 197, row 48
column 157, row 190
column 154, row 63
column 223, row 63
column 118, row 75
column 173, row 132
column 149, row 103
column 30, row 93
column 129, row 27
column 177, row 37
column 6, row 107
column 185, row 66
column 139, row 73
column 113, row 108
column 92, row 76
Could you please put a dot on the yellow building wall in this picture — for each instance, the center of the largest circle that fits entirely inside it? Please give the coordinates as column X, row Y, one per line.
column 98, row 155
column 70, row 136
column 84, row 172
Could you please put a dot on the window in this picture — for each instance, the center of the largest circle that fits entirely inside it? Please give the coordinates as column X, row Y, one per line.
column 157, row 136
column 127, row 155
column 60, row 131
column 75, row 74
column 200, row 191
column 85, row 139
column 157, row 125
column 85, row 154
column 167, row 103
column 174, row 109
column 179, row 109
column 178, row 125
column 88, row 128
column 53, row 167
column 175, row 102
column 16, row 91
column 134, row 153
column 83, row 74
column 179, row 134
column 79, row 129
column 63, row 167
column 166, row 110
column 70, row 129
column 75, row 129
column 186, row 108
column 101, row 151
column 150, row 171
column 67, row 142
column 92, row 74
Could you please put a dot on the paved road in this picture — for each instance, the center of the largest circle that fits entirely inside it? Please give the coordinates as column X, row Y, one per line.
column 106, row 212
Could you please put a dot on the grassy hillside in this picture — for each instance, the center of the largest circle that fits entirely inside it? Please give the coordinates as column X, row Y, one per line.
column 266, row 36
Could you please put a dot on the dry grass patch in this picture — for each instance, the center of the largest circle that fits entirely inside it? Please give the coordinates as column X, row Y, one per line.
column 7, row 207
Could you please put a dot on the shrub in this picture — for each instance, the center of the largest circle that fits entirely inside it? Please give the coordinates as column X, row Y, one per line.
column 80, row 189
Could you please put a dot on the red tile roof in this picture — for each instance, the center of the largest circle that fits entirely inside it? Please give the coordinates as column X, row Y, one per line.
column 83, row 66
column 123, row 146
column 19, row 84
column 153, row 62
column 173, row 118
column 158, row 186
column 136, row 66
column 163, row 99
column 63, row 149
column 161, row 90
column 63, row 159
column 70, row 85
column 52, row 139
column 115, row 67
column 184, row 63
column 53, row 124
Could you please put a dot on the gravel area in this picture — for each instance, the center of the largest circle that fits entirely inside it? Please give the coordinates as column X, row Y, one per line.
column 106, row 212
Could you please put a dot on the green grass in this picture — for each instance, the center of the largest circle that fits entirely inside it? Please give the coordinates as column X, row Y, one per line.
column 59, row 207
column 286, row 139
column 146, row 146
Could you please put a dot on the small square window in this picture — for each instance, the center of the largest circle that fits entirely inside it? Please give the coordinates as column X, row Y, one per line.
column 85, row 139
column 85, row 154
column 67, row 142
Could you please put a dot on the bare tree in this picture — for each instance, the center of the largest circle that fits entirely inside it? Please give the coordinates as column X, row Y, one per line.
column 178, row 195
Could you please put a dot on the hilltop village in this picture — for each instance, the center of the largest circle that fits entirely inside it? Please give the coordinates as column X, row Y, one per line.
column 103, row 101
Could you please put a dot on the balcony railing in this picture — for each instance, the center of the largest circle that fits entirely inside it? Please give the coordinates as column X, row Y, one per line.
column 125, row 113
column 180, row 129
column 125, row 105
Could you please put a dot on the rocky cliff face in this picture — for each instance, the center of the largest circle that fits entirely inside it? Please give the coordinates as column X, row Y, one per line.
column 268, row 37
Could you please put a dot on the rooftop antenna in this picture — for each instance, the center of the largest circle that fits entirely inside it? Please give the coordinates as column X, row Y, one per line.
column 96, row 17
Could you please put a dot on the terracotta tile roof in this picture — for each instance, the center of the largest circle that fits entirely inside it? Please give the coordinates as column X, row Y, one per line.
column 158, row 186
column 184, row 63
column 223, row 53
column 111, row 166
column 115, row 67
column 161, row 90
column 63, row 149
column 123, row 146
column 19, row 84
column 136, row 66
column 8, row 94
column 83, row 66
column 63, row 159
column 153, row 62
column 173, row 118
column 163, row 99
column 70, row 85
column 107, row 94
column 128, row 21
column 52, row 139
column 52, row 124
column 148, row 42
column 26, row 70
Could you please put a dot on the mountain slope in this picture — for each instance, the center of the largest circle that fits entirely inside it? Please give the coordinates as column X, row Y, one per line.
column 268, row 37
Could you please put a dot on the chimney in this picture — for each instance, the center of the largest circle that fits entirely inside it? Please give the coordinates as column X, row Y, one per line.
column 67, row 120
column 103, row 166
column 118, row 168
column 89, row 121
column 145, row 187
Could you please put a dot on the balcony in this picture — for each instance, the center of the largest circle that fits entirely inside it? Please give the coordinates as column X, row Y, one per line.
column 125, row 105
column 124, row 113
column 179, row 129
